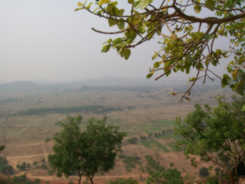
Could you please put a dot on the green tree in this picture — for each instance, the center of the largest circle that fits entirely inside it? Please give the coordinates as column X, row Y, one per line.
column 186, row 35
column 216, row 135
column 88, row 152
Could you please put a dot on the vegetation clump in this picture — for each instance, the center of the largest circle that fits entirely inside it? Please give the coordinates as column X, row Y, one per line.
column 5, row 168
column 23, row 166
column 130, row 162
column 18, row 180
column 204, row 172
column 216, row 134
column 159, row 174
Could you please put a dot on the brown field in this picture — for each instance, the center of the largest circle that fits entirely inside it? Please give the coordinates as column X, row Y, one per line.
column 150, row 110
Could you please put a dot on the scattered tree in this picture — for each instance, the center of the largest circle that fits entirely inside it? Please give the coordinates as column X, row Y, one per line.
column 88, row 152
column 216, row 135
column 187, row 37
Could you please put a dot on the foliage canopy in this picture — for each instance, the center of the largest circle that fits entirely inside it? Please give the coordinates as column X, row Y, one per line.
column 186, row 35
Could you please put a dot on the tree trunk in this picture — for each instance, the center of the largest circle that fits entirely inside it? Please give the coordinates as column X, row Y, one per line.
column 91, row 179
column 79, row 179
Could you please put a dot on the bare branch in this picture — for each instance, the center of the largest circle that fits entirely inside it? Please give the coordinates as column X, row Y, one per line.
column 105, row 32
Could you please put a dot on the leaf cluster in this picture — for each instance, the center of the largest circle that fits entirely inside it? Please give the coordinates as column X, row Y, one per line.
column 186, row 36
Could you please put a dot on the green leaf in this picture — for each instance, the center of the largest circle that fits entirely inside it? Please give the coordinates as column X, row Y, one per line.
column 121, row 24
column 210, row 4
column 117, row 41
column 101, row 2
column 78, row 9
column 106, row 48
column 155, row 55
column 192, row 79
column 197, row 8
column 112, row 22
column 131, row 35
column 143, row 3
column 149, row 75
column 157, row 64
column 126, row 53
column 131, row 1
column 225, row 80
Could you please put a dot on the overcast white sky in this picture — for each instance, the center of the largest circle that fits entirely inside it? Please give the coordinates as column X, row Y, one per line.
column 45, row 40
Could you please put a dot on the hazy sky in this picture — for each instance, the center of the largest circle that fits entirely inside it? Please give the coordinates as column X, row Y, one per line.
column 46, row 40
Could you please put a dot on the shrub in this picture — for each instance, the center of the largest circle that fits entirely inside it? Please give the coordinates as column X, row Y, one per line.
column 160, row 175
column 5, row 168
column 203, row 172
column 23, row 180
column 212, row 180
column 23, row 166
column 130, row 161
column 132, row 140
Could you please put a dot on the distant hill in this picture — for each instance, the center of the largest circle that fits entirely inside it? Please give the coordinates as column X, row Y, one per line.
column 18, row 85
column 104, row 84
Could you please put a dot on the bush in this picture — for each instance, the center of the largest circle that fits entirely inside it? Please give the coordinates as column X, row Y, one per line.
column 130, row 161
column 18, row 180
column 133, row 140
column 23, row 166
column 5, row 168
column 203, row 172
column 160, row 175
column 23, row 180
column 212, row 180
